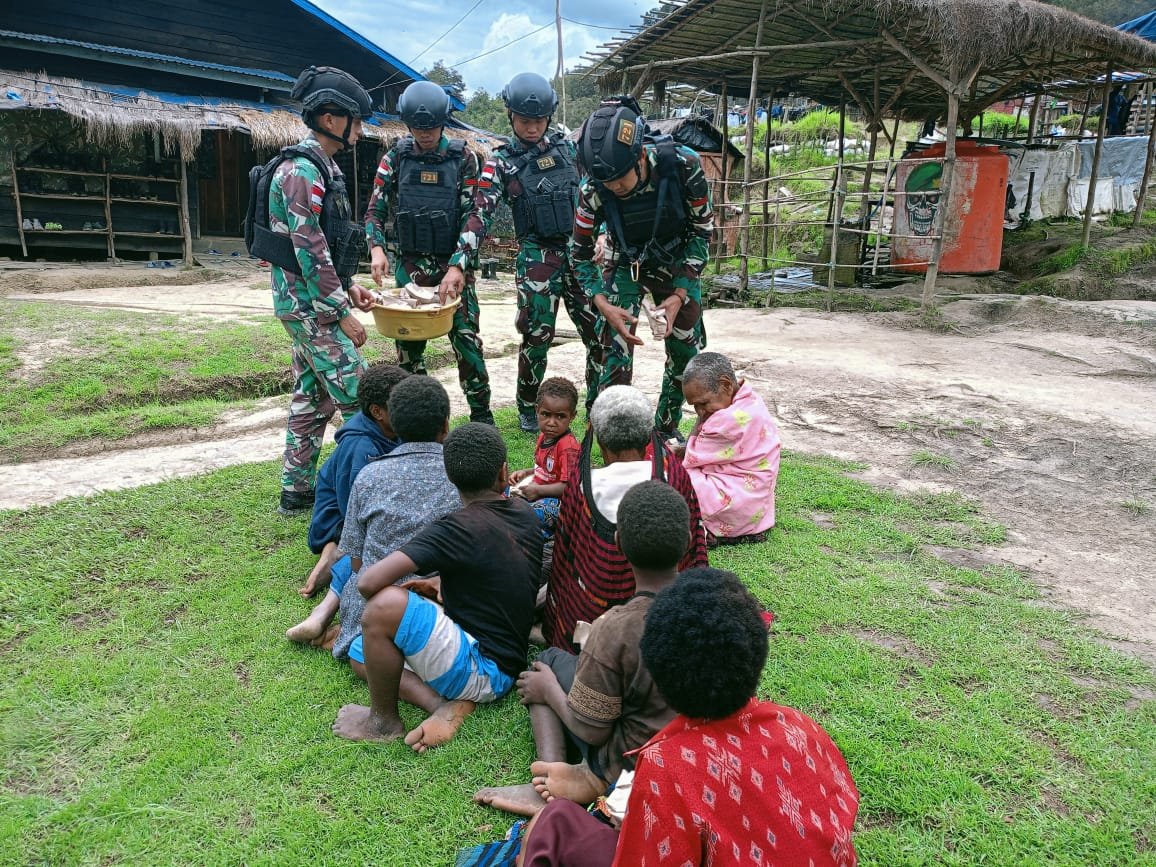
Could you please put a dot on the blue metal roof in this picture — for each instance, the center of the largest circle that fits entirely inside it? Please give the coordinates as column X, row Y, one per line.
column 349, row 32
column 1144, row 26
column 271, row 75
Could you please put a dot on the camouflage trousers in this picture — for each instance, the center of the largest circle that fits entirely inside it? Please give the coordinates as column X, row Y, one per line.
column 326, row 370
column 685, row 342
column 545, row 276
column 464, row 336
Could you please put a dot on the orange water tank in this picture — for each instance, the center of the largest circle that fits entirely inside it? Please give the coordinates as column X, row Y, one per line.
column 973, row 222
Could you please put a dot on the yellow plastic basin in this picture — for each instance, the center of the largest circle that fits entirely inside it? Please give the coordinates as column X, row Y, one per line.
column 415, row 324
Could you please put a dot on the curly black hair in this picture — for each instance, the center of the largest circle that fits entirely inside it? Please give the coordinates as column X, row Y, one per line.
column 705, row 643
column 376, row 384
column 418, row 409
column 474, row 455
column 561, row 387
column 653, row 525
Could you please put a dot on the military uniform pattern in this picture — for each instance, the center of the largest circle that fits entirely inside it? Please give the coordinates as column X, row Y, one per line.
column 326, row 365
column 464, row 335
column 689, row 336
column 428, row 270
column 544, row 274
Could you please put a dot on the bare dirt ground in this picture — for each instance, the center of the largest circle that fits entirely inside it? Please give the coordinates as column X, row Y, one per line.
column 1041, row 410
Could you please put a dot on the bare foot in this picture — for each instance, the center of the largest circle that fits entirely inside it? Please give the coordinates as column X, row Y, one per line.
column 522, row 800
column 440, row 726
column 575, row 783
column 328, row 638
column 306, row 632
column 356, row 722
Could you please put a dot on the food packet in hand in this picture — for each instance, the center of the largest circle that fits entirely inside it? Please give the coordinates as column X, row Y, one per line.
column 656, row 317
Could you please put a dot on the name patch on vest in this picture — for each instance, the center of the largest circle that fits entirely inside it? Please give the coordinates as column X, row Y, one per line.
column 626, row 132
column 429, row 177
column 545, row 163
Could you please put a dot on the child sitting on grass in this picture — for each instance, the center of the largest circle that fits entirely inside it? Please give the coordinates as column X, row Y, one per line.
column 603, row 700
column 367, row 435
column 557, row 452
column 487, row 555
column 732, row 779
column 393, row 498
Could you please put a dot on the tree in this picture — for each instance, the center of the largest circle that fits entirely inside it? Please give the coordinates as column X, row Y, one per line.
column 486, row 112
column 447, row 77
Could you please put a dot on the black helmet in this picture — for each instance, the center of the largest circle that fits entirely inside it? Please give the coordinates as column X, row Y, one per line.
column 321, row 86
column 611, row 142
column 424, row 105
column 530, row 95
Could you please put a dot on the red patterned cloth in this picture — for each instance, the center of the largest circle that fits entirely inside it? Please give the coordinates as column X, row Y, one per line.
column 590, row 574
column 763, row 786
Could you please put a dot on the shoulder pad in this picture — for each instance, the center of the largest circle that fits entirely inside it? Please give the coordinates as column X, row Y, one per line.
column 457, row 147
column 299, row 152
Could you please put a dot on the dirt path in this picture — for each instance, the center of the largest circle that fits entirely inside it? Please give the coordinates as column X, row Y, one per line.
column 1041, row 410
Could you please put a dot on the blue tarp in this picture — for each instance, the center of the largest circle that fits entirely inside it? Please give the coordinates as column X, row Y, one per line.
column 1144, row 26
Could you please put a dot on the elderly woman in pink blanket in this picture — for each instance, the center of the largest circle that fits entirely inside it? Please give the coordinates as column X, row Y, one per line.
column 732, row 455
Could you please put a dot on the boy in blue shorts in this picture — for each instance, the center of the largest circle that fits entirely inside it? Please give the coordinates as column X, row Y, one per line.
column 368, row 435
column 488, row 556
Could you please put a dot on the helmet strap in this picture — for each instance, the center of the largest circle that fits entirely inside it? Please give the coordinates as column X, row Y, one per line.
column 342, row 139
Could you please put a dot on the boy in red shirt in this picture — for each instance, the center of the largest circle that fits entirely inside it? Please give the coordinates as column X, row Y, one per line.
column 556, row 455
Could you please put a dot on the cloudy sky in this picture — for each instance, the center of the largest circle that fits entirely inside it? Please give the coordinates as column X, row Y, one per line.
column 405, row 28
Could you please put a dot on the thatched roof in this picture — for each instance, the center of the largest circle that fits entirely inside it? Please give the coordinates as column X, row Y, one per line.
column 110, row 115
column 906, row 50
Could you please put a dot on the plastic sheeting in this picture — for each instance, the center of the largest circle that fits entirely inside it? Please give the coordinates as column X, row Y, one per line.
column 1062, row 173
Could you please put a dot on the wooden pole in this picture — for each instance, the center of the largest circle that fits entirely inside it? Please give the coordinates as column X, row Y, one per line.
column 1035, row 113
column 1086, row 235
column 1084, row 114
column 767, row 179
column 945, row 203
column 186, row 229
column 837, row 209
column 721, row 209
column 1142, row 195
column 748, row 165
column 111, row 240
column 19, row 210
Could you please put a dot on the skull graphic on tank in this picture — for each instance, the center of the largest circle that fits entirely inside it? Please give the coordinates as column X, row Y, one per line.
column 922, row 200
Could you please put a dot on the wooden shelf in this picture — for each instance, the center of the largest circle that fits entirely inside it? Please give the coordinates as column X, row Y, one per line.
column 147, row 234
column 62, row 197
column 145, row 178
column 60, row 172
column 100, row 232
column 163, row 202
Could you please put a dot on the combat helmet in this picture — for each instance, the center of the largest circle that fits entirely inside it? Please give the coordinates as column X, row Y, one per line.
column 530, row 95
column 611, row 140
column 424, row 105
column 326, row 87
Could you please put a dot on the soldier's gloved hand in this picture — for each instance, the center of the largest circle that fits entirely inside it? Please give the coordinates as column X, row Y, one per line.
column 452, row 284
column 361, row 297
column 618, row 319
column 353, row 329
column 379, row 264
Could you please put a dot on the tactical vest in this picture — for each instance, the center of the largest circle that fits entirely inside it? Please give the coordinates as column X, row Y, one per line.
column 651, row 226
column 428, row 216
column 345, row 238
column 545, row 208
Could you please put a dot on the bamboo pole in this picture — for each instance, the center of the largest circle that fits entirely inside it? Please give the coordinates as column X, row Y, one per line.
column 721, row 247
column 1143, row 192
column 767, row 51
column 767, row 179
column 748, row 165
column 837, row 209
column 1084, row 113
column 945, row 203
column 1086, row 234
column 186, row 229
column 1033, row 114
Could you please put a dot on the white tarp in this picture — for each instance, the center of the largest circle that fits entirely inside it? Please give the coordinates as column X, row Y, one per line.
column 1062, row 171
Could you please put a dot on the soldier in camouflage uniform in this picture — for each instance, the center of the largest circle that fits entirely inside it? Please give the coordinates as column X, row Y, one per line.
column 310, row 299
column 652, row 200
column 537, row 175
column 428, row 182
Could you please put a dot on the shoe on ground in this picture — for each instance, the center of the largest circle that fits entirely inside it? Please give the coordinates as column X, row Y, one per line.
column 296, row 502
column 528, row 421
column 485, row 417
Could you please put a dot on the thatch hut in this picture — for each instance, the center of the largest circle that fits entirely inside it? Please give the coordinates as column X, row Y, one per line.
column 127, row 151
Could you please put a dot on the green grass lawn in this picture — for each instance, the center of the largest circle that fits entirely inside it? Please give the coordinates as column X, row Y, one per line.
column 152, row 713
column 73, row 375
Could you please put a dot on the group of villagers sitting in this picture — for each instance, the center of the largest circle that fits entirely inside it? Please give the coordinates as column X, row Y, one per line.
column 651, row 744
